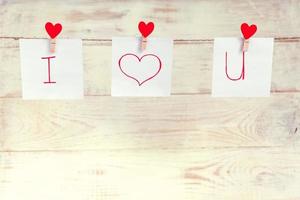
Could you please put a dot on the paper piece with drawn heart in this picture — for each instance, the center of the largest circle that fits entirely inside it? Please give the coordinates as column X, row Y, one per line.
column 248, row 31
column 140, row 69
column 53, row 30
column 146, row 29
column 141, row 74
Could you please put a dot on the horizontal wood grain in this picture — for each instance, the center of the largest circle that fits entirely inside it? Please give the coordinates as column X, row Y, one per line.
column 180, row 122
column 260, row 173
column 191, row 73
column 188, row 146
column 179, row 19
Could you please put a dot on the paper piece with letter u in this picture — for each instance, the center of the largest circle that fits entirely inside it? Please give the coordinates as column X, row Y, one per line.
column 242, row 74
column 141, row 73
column 48, row 75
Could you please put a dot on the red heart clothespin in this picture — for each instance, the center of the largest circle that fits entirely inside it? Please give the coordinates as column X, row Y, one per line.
column 145, row 30
column 53, row 31
column 248, row 32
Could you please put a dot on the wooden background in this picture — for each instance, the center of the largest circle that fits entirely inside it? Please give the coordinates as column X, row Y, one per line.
column 187, row 146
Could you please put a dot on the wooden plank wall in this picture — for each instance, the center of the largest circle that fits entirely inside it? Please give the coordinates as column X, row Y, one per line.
column 187, row 146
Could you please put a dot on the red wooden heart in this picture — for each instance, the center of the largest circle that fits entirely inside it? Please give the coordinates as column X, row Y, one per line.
column 53, row 30
column 248, row 31
column 146, row 29
column 148, row 75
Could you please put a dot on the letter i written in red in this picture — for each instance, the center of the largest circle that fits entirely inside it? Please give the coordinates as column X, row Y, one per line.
column 49, row 69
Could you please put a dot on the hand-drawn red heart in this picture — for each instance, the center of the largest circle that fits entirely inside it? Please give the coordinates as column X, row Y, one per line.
column 248, row 31
column 53, row 30
column 148, row 76
column 146, row 29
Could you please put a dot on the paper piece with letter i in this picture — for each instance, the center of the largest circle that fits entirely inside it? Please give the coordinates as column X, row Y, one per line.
column 51, row 72
column 242, row 66
column 141, row 66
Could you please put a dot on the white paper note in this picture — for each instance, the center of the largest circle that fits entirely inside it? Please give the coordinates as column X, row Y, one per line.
column 137, row 73
column 251, row 79
column 51, row 76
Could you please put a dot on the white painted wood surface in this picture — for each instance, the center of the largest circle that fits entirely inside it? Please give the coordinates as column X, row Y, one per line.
column 187, row 146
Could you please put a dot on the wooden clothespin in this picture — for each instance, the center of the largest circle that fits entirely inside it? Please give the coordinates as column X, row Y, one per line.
column 248, row 32
column 143, row 43
column 52, row 45
column 245, row 45
column 145, row 30
column 53, row 31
